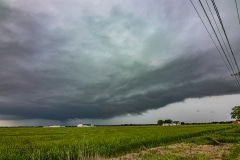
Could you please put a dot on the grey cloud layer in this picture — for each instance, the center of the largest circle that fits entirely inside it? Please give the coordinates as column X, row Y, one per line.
column 66, row 64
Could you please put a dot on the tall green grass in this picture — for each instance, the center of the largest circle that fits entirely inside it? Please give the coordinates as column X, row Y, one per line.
column 87, row 143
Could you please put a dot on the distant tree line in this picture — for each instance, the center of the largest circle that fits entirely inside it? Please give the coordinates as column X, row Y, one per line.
column 160, row 122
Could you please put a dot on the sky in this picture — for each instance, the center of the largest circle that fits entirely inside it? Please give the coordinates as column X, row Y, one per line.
column 113, row 62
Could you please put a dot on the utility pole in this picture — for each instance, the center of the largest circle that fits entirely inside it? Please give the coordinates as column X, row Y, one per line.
column 236, row 74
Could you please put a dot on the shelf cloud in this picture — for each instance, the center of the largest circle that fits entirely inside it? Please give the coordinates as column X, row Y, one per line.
column 62, row 60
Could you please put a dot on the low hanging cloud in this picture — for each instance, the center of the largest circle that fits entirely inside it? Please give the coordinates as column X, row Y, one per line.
column 89, row 60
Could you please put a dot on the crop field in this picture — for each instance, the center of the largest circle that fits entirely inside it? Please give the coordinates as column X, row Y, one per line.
column 106, row 142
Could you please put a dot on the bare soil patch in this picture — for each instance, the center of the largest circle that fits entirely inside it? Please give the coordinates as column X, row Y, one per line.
column 188, row 150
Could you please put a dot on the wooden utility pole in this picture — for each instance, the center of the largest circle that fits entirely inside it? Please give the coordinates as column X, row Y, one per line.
column 236, row 74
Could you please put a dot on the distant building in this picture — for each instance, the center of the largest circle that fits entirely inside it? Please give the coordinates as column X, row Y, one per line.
column 177, row 123
column 174, row 123
column 235, row 122
column 85, row 125
column 54, row 126
column 167, row 124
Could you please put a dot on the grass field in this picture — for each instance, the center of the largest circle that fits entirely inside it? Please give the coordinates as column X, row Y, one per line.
column 83, row 143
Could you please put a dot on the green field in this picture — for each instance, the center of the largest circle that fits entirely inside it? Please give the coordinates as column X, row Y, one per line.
column 83, row 143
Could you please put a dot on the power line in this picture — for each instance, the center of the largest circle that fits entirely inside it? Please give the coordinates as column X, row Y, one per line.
column 237, row 10
column 205, row 27
column 218, row 40
column 207, row 31
column 220, row 33
column 224, row 44
column 219, row 17
column 213, row 40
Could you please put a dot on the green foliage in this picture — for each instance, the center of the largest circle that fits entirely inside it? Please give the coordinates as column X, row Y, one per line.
column 233, row 154
column 168, row 121
column 235, row 114
column 160, row 122
column 83, row 143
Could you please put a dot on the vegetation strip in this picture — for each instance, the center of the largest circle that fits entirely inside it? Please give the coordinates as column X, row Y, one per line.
column 80, row 143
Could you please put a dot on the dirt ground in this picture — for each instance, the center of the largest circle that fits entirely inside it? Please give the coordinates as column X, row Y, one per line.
column 188, row 150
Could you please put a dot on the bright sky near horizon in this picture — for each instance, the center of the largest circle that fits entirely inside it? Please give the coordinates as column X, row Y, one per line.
column 113, row 62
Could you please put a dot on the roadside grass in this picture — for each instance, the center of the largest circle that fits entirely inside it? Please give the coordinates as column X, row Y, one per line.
column 164, row 157
column 105, row 142
column 171, row 157
column 187, row 151
column 234, row 153
column 231, row 136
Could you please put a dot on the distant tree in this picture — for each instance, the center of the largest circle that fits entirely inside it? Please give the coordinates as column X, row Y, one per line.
column 168, row 121
column 235, row 114
column 160, row 122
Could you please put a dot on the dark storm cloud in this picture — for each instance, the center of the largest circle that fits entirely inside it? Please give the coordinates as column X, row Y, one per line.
column 68, row 63
column 185, row 77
